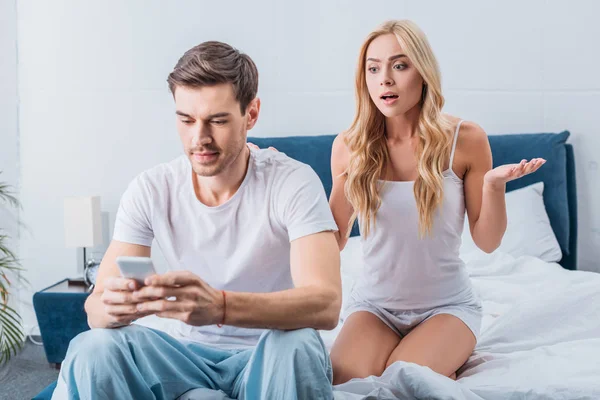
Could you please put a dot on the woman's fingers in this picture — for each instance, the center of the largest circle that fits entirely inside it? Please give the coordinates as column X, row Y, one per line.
column 529, row 167
column 255, row 147
column 534, row 165
column 516, row 171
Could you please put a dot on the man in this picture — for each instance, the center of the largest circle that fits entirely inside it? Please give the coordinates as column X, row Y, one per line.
column 254, row 264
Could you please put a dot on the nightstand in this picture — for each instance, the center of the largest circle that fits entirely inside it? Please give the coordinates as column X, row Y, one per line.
column 61, row 316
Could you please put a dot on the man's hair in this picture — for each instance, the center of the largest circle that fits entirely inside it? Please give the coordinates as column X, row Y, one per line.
column 212, row 63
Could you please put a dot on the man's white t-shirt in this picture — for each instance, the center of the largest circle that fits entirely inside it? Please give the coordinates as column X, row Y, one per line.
column 241, row 245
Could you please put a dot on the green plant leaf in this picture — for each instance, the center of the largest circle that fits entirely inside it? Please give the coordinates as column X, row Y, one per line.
column 10, row 317
column 6, row 250
column 13, row 331
column 12, row 336
column 7, row 196
column 10, row 313
column 9, row 265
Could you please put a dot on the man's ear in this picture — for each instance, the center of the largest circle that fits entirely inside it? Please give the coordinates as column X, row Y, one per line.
column 252, row 110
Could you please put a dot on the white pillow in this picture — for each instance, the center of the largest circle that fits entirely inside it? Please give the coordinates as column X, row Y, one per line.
column 528, row 231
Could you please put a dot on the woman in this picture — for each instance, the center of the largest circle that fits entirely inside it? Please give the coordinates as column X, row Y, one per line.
column 408, row 173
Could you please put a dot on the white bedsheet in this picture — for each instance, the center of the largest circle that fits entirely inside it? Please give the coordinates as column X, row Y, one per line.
column 540, row 337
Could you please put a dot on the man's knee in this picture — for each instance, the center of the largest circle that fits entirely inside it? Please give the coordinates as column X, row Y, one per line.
column 299, row 339
column 297, row 345
column 89, row 349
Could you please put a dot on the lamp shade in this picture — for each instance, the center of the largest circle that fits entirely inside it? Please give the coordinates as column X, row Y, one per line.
column 83, row 222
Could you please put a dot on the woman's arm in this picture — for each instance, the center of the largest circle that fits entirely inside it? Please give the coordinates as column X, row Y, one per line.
column 340, row 206
column 485, row 187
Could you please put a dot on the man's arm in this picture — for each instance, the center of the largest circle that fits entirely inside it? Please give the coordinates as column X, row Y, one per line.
column 110, row 305
column 315, row 301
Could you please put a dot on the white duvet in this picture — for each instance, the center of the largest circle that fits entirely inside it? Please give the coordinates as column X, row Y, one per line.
column 540, row 337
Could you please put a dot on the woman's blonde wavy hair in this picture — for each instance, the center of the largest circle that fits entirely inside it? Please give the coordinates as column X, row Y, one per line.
column 366, row 137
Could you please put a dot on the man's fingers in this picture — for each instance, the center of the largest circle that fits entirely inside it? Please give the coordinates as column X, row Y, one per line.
column 163, row 305
column 121, row 309
column 117, row 297
column 120, row 283
column 173, row 278
column 127, row 318
column 173, row 315
column 159, row 292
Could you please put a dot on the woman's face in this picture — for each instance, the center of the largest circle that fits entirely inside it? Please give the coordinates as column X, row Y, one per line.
column 394, row 83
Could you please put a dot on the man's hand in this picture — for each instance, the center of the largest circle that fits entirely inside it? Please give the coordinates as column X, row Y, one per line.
column 193, row 300
column 119, row 303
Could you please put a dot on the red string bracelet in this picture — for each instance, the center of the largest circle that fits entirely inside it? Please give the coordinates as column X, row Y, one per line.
column 224, row 309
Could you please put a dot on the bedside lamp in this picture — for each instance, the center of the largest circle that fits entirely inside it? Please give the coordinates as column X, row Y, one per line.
column 83, row 228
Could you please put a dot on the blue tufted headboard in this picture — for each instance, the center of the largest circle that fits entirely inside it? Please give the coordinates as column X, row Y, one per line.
column 558, row 174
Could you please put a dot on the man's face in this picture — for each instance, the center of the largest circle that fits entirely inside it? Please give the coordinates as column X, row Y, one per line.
column 212, row 127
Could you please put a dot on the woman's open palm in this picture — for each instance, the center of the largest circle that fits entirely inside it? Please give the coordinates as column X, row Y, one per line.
column 509, row 172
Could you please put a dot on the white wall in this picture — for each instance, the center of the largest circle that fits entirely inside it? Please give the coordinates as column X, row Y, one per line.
column 9, row 123
column 95, row 109
column 8, row 104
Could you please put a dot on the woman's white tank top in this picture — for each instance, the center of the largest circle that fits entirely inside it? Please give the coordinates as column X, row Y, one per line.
column 405, row 272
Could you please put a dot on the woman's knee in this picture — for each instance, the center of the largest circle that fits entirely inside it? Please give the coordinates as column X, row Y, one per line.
column 345, row 369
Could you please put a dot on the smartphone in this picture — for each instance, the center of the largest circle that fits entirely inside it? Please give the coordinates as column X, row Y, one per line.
column 137, row 268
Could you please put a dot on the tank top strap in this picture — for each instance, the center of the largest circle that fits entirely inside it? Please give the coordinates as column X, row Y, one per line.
column 454, row 144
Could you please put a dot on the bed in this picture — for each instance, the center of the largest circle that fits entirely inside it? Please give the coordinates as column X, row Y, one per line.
column 541, row 329
column 540, row 335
